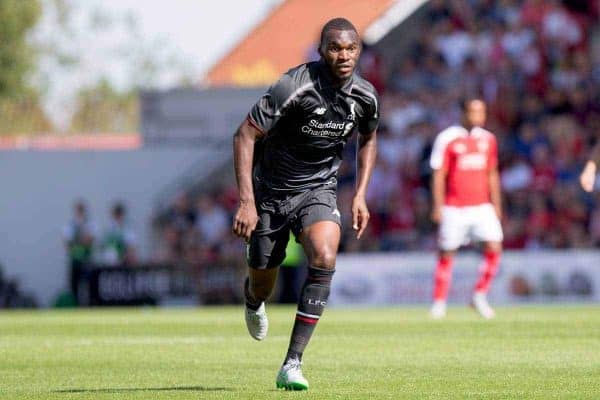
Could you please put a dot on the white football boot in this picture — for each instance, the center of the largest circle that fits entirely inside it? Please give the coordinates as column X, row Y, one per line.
column 257, row 322
column 290, row 376
column 438, row 309
column 481, row 305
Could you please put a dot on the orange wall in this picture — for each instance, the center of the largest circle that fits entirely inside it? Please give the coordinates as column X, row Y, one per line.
column 285, row 37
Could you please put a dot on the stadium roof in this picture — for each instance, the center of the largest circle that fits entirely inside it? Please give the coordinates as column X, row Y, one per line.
column 286, row 37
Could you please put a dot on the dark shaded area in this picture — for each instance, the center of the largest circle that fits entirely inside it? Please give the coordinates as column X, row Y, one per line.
column 159, row 389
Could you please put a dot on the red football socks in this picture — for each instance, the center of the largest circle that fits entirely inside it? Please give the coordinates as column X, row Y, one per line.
column 443, row 277
column 487, row 271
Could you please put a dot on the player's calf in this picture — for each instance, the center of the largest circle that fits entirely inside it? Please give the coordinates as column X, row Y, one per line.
column 488, row 270
column 441, row 285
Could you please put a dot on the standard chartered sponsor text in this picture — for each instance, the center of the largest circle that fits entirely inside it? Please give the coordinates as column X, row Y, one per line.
column 330, row 128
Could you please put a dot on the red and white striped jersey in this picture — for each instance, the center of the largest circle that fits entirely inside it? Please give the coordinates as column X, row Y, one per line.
column 467, row 157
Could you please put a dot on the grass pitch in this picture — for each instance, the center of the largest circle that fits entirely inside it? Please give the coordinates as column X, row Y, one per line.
column 393, row 353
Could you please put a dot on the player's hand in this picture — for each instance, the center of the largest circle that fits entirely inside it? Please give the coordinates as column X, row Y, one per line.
column 436, row 215
column 245, row 220
column 360, row 215
column 588, row 177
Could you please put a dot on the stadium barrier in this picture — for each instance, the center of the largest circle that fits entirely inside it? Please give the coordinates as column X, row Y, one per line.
column 372, row 279
column 129, row 286
column 524, row 277
column 160, row 285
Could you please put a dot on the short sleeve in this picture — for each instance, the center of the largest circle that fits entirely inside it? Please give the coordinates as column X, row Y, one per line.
column 438, row 153
column 370, row 121
column 440, row 145
column 278, row 100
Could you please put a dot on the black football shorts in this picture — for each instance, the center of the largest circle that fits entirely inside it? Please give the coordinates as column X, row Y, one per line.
column 280, row 213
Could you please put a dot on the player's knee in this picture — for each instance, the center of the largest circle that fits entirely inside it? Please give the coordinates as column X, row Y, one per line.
column 324, row 259
column 493, row 247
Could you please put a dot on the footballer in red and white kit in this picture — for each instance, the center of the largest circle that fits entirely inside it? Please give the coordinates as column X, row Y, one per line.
column 466, row 202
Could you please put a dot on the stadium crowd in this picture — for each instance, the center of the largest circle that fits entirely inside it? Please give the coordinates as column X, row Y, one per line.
column 534, row 64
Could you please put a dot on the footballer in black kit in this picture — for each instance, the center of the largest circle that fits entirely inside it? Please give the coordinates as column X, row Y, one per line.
column 306, row 122
column 287, row 154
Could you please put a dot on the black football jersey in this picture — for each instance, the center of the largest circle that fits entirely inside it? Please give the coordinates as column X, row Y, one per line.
column 307, row 121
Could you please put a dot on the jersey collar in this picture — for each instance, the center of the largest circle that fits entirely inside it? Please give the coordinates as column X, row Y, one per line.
column 325, row 79
column 475, row 131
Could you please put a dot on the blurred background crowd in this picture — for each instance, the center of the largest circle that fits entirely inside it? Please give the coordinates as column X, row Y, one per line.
column 124, row 107
column 532, row 61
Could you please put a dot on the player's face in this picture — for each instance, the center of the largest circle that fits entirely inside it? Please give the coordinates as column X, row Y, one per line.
column 476, row 113
column 340, row 50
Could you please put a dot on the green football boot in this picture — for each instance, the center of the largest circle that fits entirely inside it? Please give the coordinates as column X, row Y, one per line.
column 290, row 376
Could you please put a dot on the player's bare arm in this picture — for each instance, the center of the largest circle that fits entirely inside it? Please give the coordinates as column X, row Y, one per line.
column 438, row 191
column 246, row 217
column 495, row 195
column 366, row 157
column 587, row 179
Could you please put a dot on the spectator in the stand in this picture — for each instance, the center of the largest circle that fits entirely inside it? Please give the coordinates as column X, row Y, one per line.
column 371, row 67
column 528, row 138
column 517, row 174
column 180, row 220
column 544, row 172
column 560, row 29
column 517, row 39
column 181, row 216
column 454, row 44
column 119, row 241
column 212, row 221
column 438, row 11
column 79, row 236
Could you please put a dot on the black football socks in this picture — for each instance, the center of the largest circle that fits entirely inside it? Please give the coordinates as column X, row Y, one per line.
column 313, row 299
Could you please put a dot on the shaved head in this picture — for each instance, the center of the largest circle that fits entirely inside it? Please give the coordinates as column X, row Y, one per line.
column 336, row 24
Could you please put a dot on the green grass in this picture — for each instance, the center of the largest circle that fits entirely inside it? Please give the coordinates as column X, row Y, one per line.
column 393, row 353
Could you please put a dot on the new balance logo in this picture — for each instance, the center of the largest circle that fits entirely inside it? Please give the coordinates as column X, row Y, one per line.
column 320, row 111
column 337, row 212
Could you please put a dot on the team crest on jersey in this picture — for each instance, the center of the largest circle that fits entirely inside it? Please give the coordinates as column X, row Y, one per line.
column 460, row 148
column 352, row 115
column 320, row 110
column 482, row 145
